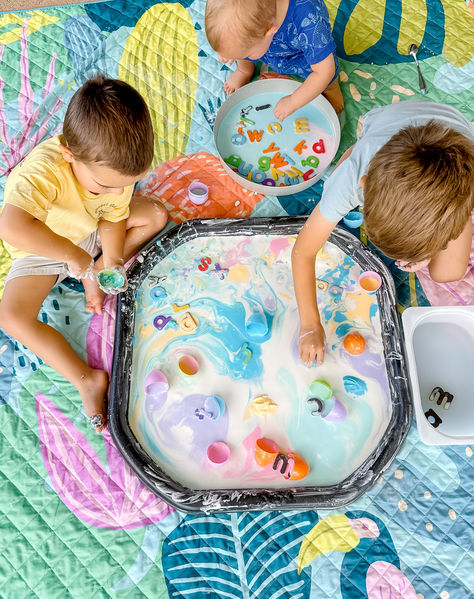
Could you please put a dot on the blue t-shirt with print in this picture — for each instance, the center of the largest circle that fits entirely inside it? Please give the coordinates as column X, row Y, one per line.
column 303, row 39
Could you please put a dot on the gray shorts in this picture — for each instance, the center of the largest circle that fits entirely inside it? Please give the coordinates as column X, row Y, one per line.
column 39, row 265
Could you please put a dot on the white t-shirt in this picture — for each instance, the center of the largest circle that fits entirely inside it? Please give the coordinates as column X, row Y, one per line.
column 342, row 191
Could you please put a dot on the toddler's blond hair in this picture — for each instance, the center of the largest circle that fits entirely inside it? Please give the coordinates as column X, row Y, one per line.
column 249, row 19
column 419, row 191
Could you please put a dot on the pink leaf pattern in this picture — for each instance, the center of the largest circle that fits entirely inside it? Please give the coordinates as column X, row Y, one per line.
column 116, row 500
column 14, row 150
column 385, row 581
column 25, row 99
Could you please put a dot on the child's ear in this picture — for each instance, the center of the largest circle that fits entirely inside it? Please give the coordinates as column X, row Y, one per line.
column 362, row 181
column 271, row 31
column 66, row 152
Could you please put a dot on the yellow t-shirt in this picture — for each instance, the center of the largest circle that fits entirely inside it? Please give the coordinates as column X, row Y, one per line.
column 44, row 185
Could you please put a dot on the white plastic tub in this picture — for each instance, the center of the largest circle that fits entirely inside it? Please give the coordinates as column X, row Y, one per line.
column 440, row 351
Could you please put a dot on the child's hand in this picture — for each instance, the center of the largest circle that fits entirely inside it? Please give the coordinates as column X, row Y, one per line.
column 228, row 61
column 284, row 108
column 411, row 266
column 311, row 345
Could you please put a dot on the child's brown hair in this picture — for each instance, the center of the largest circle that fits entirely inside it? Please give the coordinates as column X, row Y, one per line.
column 418, row 194
column 107, row 122
column 249, row 19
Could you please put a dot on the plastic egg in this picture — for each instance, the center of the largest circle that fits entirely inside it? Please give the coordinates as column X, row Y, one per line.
column 300, row 467
column 354, row 344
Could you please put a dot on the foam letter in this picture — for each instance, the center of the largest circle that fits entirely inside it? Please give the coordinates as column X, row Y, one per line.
column 255, row 135
column 161, row 321
column 293, row 172
column 244, row 169
column 220, row 272
column 278, row 161
column 274, row 128
column 310, row 161
column 238, row 140
column 300, row 147
column 188, row 323
column 291, row 180
column 233, row 160
column 301, row 126
column 264, row 163
column 177, row 308
column 309, row 174
column 204, row 264
column 288, row 159
column 271, row 148
column 258, row 176
column 318, row 147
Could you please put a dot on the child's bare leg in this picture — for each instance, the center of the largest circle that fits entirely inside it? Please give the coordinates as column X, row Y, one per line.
column 19, row 309
column 333, row 94
column 147, row 217
column 94, row 296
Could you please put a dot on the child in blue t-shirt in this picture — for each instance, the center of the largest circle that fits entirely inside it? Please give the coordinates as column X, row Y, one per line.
column 291, row 36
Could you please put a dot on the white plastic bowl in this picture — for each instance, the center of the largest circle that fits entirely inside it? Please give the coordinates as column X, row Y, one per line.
column 285, row 87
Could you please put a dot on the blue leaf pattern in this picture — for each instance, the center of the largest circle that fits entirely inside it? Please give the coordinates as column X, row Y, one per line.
column 85, row 44
column 357, row 562
column 238, row 556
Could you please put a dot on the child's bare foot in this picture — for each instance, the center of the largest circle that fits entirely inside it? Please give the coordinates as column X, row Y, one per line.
column 94, row 296
column 92, row 389
column 334, row 95
column 236, row 80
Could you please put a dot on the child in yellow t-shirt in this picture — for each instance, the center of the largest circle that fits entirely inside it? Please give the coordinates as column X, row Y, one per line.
column 71, row 196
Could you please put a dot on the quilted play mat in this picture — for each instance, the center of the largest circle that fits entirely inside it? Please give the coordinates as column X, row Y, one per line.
column 75, row 520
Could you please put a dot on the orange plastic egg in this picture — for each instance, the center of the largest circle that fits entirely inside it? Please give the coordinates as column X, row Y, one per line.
column 354, row 344
column 300, row 467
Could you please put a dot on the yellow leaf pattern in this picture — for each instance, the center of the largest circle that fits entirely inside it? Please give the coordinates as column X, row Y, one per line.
column 334, row 533
column 160, row 60
column 36, row 20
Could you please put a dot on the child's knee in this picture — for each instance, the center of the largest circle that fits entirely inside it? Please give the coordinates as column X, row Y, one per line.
column 9, row 317
column 159, row 216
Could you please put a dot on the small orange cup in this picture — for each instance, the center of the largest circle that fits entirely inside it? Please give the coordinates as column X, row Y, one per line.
column 266, row 451
column 188, row 365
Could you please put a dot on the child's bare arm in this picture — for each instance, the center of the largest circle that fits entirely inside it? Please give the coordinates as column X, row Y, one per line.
column 112, row 237
column 309, row 241
column 240, row 76
column 25, row 232
column 451, row 263
column 315, row 84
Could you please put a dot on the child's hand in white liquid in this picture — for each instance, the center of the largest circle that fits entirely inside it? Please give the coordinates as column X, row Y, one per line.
column 311, row 345
column 284, row 108
column 411, row 266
